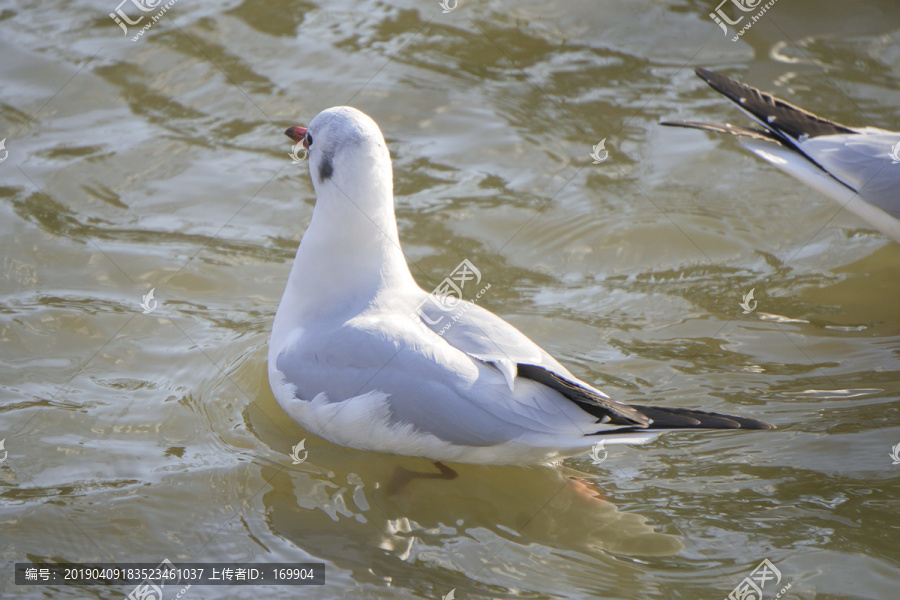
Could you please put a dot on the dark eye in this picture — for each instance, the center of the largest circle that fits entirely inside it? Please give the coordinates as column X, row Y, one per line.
column 308, row 139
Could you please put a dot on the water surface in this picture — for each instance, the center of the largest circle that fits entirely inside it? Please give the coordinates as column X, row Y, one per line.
column 160, row 164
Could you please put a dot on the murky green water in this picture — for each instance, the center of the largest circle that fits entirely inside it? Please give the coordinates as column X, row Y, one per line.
column 161, row 164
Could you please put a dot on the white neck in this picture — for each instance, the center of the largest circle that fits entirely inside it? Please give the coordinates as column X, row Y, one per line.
column 351, row 251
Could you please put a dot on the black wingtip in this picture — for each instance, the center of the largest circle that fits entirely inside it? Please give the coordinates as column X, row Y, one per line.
column 601, row 407
column 783, row 119
column 686, row 418
column 703, row 74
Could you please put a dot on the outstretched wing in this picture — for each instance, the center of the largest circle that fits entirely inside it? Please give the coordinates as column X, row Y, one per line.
column 850, row 165
column 858, row 158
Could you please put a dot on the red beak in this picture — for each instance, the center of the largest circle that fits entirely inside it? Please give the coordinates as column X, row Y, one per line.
column 298, row 134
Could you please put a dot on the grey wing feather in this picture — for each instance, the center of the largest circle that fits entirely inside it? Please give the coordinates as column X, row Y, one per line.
column 862, row 162
column 488, row 338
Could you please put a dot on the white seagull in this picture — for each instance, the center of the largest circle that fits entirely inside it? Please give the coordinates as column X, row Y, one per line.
column 356, row 358
column 857, row 167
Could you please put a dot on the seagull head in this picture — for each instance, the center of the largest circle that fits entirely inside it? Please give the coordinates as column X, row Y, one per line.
column 351, row 245
column 345, row 147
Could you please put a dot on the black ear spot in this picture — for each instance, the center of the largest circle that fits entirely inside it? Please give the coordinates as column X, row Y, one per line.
column 326, row 169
